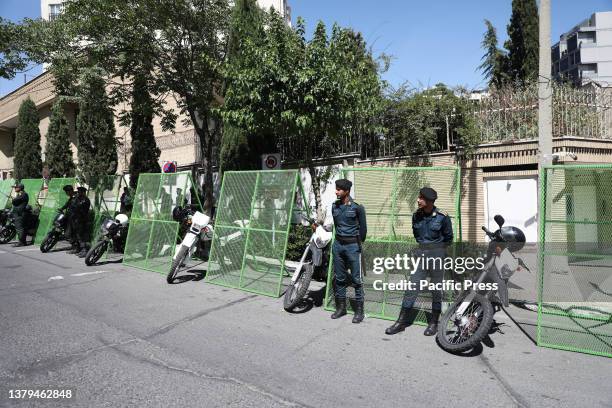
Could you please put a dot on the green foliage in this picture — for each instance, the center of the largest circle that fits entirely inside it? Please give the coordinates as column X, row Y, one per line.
column 299, row 236
column 11, row 59
column 495, row 61
column 416, row 121
column 97, row 150
column 27, row 161
column 145, row 153
column 523, row 42
column 58, row 154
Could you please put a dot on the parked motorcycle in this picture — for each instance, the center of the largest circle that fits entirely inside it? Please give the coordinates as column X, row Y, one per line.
column 8, row 231
column 314, row 261
column 469, row 319
column 57, row 232
column 199, row 232
column 112, row 233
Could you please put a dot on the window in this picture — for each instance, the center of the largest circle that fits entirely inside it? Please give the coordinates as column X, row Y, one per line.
column 54, row 11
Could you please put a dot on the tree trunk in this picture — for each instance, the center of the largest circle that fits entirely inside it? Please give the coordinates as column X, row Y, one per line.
column 204, row 136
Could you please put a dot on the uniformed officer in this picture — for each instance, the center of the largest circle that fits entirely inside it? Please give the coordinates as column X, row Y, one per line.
column 350, row 221
column 81, row 220
column 20, row 203
column 433, row 230
column 68, row 210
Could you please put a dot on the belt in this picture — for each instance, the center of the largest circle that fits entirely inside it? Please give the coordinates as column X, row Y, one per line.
column 344, row 240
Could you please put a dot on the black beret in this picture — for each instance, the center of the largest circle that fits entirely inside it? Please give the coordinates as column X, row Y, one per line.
column 68, row 187
column 428, row 193
column 20, row 185
column 81, row 189
column 344, row 184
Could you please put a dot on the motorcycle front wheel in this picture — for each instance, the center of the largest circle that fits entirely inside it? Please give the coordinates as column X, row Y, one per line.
column 297, row 290
column 178, row 260
column 49, row 242
column 7, row 234
column 95, row 253
column 463, row 332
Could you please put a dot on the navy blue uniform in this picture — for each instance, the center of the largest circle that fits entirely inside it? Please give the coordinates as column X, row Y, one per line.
column 432, row 232
column 351, row 230
column 20, row 203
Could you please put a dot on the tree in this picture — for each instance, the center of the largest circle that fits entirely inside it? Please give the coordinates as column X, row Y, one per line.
column 97, row 150
column 523, row 42
column 145, row 153
column 495, row 61
column 11, row 59
column 58, row 154
column 241, row 150
column 27, row 160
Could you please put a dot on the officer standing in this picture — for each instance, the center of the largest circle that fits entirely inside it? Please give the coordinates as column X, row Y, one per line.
column 126, row 202
column 350, row 221
column 81, row 220
column 68, row 210
column 433, row 230
column 20, row 203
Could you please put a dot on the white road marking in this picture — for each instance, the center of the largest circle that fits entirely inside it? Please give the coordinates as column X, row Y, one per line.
column 88, row 273
column 55, row 278
column 3, row 252
column 27, row 249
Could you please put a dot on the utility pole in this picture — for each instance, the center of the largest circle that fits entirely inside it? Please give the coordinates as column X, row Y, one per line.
column 545, row 88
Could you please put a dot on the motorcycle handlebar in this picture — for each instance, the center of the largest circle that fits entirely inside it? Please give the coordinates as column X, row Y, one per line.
column 489, row 233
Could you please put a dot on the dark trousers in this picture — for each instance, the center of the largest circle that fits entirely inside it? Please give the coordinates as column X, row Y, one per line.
column 435, row 272
column 20, row 226
column 347, row 257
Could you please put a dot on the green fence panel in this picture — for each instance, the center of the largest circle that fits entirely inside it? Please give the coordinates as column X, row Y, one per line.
column 152, row 235
column 575, row 259
column 53, row 199
column 254, row 214
column 105, row 201
column 34, row 188
column 389, row 196
column 6, row 187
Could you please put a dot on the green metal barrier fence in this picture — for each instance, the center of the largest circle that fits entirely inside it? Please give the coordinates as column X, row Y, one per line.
column 254, row 214
column 389, row 196
column 33, row 187
column 575, row 256
column 6, row 187
column 152, row 236
column 105, row 201
column 55, row 198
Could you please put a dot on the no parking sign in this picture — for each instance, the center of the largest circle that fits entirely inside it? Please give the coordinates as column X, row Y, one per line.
column 169, row 167
column 270, row 161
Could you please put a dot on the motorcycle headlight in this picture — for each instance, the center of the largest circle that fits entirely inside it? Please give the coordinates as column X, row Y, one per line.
column 106, row 225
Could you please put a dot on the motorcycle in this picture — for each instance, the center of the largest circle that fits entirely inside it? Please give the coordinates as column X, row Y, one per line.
column 8, row 231
column 113, row 233
column 57, row 232
column 199, row 232
column 470, row 317
column 314, row 261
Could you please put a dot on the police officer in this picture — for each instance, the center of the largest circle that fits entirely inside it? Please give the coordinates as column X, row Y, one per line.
column 68, row 210
column 20, row 204
column 81, row 223
column 350, row 221
column 433, row 230
column 126, row 201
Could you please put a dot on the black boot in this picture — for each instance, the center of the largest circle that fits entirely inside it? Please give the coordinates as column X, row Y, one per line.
column 358, row 317
column 432, row 327
column 401, row 323
column 340, row 308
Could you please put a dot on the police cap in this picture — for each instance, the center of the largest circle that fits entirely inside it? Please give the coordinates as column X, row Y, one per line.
column 20, row 186
column 428, row 193
column 81, row 189
column 344, row 184
column 68, row 187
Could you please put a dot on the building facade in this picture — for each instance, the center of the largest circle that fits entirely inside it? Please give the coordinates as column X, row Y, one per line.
column 584, row 53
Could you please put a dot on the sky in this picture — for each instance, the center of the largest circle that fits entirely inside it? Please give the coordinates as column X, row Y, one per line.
column 429, row 41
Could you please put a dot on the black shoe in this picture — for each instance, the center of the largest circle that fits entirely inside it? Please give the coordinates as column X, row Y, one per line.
column 74, row 250
column 82, row 254
column 358, row 317
column 400, row 324
column 19, row 244
column 432, row 327
column 340, row 308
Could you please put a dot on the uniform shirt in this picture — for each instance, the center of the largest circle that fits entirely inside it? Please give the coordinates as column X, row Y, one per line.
column 69, row 206
column 349, row 219
column 80, row 207
column 20, row 202
column 433, row 228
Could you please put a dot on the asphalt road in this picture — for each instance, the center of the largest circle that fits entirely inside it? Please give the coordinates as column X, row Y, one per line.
column 123, row 337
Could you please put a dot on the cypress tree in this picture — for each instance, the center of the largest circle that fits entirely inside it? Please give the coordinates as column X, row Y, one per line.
column 240, row 151
column 58, row 154
column 27, row 160
column 97, row 149
column 495, row 61
column 523, row 41
column 145, row 153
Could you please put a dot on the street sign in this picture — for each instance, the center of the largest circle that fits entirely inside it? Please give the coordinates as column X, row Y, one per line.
column 169, row 167
column 270, row 161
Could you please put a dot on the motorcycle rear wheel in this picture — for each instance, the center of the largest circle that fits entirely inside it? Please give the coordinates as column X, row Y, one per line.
column 95, row 253
column 7, row 234
column 296, row 291
column 467, row 331
column 176, row 263
column 49, row 242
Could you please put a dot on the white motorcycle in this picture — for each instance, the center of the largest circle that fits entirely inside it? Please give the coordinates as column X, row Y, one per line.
column 314, row 259
column 200, row 230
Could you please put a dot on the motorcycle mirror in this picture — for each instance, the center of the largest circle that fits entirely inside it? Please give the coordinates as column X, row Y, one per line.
column 499, row 220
